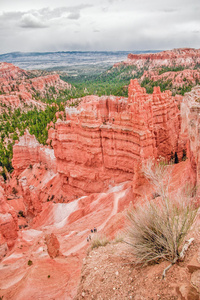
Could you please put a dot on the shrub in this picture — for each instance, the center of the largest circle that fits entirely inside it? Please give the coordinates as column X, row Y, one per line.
column 14, row 191
column 176, row 161
column 158, row 228
column 184, row 157
column 21, row 214
column 98, row 241
column 30, row 262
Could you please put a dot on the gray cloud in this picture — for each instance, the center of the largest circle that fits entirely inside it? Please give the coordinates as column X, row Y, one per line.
column 30, row 21
column 10, row 15
column 79, row 7
column 59, row 11
column 170, row 10
column 75, row 11
column 42, row 18
column 98, row 25
column 74, row 15
column 48, row 13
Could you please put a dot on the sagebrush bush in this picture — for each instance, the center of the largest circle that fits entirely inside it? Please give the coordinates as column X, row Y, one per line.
column 119, row 237
column 158, row 227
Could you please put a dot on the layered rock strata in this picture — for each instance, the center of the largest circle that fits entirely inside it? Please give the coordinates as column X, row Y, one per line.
column 190, row 112
column 35, row 175
column 178, row 79
column 103, row 142
column 10, row 72
column 178, row 57
column 27, row 152
column 19, row 89
column 8, row 225
column 104, row 139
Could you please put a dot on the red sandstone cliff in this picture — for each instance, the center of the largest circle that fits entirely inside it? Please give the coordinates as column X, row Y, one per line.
column 178, row 79
column 35, row 168
column 27, row 152
column 101, row 143
column 103, row 140
column 8, row 225
column 177, row 57
column 18, row 89
column 10, row 72
column 190, row 112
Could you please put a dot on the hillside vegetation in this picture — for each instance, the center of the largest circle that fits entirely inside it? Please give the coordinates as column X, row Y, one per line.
column 13, row 125
column 115, row 82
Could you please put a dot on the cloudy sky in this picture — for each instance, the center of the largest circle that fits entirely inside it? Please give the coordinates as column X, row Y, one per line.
column 61, row 25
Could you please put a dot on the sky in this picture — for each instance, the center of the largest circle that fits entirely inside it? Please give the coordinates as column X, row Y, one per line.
column 103, row 25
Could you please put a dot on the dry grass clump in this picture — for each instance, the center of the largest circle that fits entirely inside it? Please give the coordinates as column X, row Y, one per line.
column 158, row 228
column 98, row 241
column 119, row 238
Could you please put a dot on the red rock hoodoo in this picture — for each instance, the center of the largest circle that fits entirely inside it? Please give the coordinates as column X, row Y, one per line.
column 102, row 140
column 28, row 152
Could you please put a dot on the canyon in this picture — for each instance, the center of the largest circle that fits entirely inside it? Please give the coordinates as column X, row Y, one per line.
column 104, row 140
column 87, row 176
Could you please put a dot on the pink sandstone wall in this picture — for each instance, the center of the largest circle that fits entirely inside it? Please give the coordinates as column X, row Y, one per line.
column 101, row 141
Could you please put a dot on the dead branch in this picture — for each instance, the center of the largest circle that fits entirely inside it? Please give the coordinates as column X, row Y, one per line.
column 181, row 256
column 166, row 269
column 185, row 248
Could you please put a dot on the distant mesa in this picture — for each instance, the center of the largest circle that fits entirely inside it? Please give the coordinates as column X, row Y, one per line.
column 177, row 57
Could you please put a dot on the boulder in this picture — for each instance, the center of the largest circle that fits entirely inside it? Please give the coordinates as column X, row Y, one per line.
column 53, row 245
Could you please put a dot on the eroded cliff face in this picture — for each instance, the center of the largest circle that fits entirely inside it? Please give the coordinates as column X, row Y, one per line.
column 19, row 89
column 102, row 141
column 35, row 175
column 95, row 161
column 27, row 152
column 10, row 72
column 8, row 225
column 177, row 57
column 190, row 111
column 178, row 79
